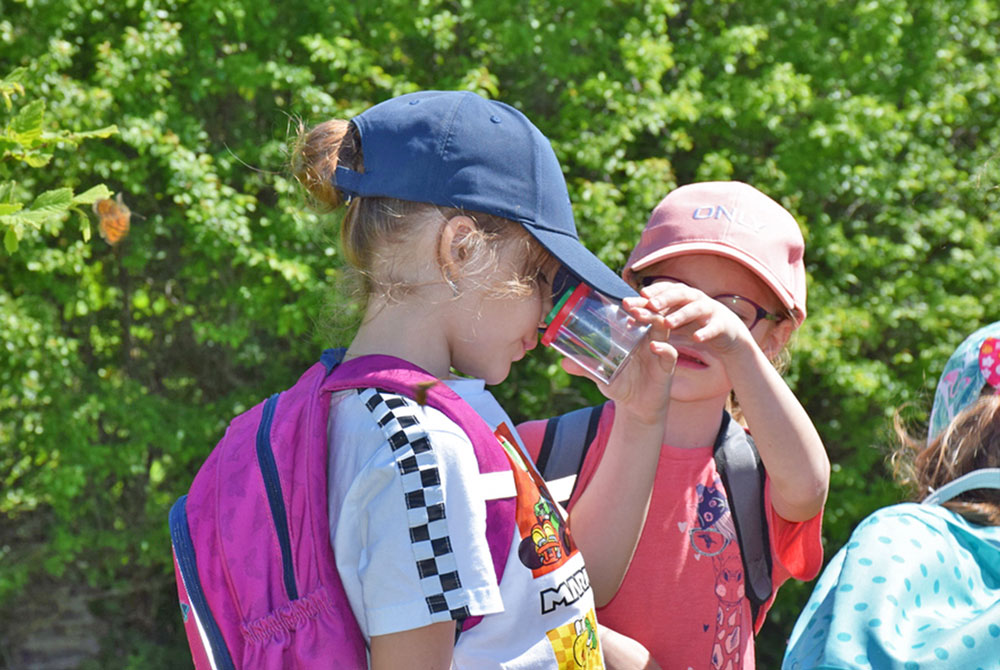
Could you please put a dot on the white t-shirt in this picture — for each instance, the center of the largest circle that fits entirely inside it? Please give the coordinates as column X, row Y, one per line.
column 408, row 527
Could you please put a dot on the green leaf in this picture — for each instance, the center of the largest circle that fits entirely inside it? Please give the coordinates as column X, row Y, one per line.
column 15, row 77
column 27, row 217
column 55, row 201
column 27, row 125
column 92, row 195
column 106, row 131
column 84, row 226
column 157, row 473
column 10, row 240
column 9, row 207
column 12, row 83
column 35, row 159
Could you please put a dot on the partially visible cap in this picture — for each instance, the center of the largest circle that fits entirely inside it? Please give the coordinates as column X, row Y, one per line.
column 974, row 366
column 458, row 149
column 733, row 220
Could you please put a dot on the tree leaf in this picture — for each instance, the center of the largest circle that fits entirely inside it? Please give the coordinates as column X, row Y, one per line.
column 106, row 131
column 84, row 225
column 16, row 76
column 35, row 159
column 27, row 217
column 92, row 195
column 55, row 201
column 10, row 241
column 27, row 125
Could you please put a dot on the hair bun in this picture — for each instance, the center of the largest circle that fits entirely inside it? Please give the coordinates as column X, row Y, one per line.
column 315, row 157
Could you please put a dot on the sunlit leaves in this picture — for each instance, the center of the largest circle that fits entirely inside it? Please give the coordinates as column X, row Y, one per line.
column 877, row 124
column 26, row 143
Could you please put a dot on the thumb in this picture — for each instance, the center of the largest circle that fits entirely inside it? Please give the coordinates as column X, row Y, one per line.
column 665, row 354
column 577, row 370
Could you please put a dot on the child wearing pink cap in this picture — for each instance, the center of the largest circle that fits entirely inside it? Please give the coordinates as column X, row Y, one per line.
column 728, row 260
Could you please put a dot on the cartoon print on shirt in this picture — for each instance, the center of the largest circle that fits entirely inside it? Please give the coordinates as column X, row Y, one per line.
column 576, row 645
column 546, row 542
column 712, row 535
column 544, row 536
column 728, row 632
column 715, row 530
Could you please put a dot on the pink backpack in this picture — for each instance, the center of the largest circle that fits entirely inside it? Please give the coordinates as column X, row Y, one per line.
column 255, row 570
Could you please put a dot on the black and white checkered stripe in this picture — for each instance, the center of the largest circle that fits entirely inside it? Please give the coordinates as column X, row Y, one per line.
column 418, row 468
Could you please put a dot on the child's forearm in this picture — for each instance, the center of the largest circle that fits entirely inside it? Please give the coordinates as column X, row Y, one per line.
column 788, row 443
column 427, row 647
column 608, row 517
column 610, row 513
column 624, row 653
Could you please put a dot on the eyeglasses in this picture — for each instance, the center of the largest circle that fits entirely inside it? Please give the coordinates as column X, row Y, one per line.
column 749, row 312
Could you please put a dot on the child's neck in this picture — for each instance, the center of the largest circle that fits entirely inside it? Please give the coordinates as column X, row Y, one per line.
column 692, row 425
column 417, row 341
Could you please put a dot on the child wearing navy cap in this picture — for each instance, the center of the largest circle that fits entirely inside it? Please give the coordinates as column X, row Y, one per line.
column 457, row 219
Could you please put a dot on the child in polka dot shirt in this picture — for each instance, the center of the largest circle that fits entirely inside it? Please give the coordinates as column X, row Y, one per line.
column 917, row 586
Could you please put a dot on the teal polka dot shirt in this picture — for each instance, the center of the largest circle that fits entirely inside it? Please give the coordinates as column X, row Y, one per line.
column 915, row 588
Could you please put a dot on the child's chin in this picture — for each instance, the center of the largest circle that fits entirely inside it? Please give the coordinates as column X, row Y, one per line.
column 493, row 381
column 491, row 375
column 494, row 377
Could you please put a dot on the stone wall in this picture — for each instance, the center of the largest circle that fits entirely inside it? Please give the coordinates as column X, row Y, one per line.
column 53, row 629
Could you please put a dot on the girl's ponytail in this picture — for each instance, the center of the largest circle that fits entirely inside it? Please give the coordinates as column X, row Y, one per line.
column 317, row 153
column 377, row 233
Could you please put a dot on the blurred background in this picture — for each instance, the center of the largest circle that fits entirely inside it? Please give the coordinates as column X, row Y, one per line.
column 874, row 122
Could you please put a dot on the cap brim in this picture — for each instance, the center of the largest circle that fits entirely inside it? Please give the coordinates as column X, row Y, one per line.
column 686, row 248
column 581, row 262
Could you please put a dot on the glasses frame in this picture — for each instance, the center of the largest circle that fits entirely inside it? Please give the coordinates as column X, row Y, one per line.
column 761, row 313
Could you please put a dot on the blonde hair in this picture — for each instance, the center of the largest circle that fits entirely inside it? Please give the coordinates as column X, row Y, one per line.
column 970, row 442
column 372, row 226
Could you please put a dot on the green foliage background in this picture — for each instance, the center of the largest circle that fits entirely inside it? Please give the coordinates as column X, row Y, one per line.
column 874, row 122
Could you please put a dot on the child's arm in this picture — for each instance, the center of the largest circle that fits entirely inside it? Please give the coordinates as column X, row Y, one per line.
column 624, row 653
column 429, row 647
column 608, row 517
column 785, row 437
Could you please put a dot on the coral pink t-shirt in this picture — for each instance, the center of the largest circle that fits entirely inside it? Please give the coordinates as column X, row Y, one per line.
column 683, row 595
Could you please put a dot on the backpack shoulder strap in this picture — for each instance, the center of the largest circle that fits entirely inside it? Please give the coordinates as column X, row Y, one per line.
column 743, row 477
column 398, row 376
column 564, row 447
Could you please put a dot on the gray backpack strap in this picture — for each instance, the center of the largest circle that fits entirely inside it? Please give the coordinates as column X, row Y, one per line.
column 564, row 448
column 743, row 477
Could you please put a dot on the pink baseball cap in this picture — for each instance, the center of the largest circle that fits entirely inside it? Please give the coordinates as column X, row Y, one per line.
column 733, row 220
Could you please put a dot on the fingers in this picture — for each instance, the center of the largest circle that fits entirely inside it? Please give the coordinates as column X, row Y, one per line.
column 686, row 310
column 663, row 296
column 679, row 304
column 665, row 354
column 697, row 312
column 641, row 310
column 577, row 370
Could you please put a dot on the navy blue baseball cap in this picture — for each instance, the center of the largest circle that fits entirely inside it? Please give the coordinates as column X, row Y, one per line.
column 458, row 149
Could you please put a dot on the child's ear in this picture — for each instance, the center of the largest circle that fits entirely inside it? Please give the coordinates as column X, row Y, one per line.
column 457, row 234
column 778, row 338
